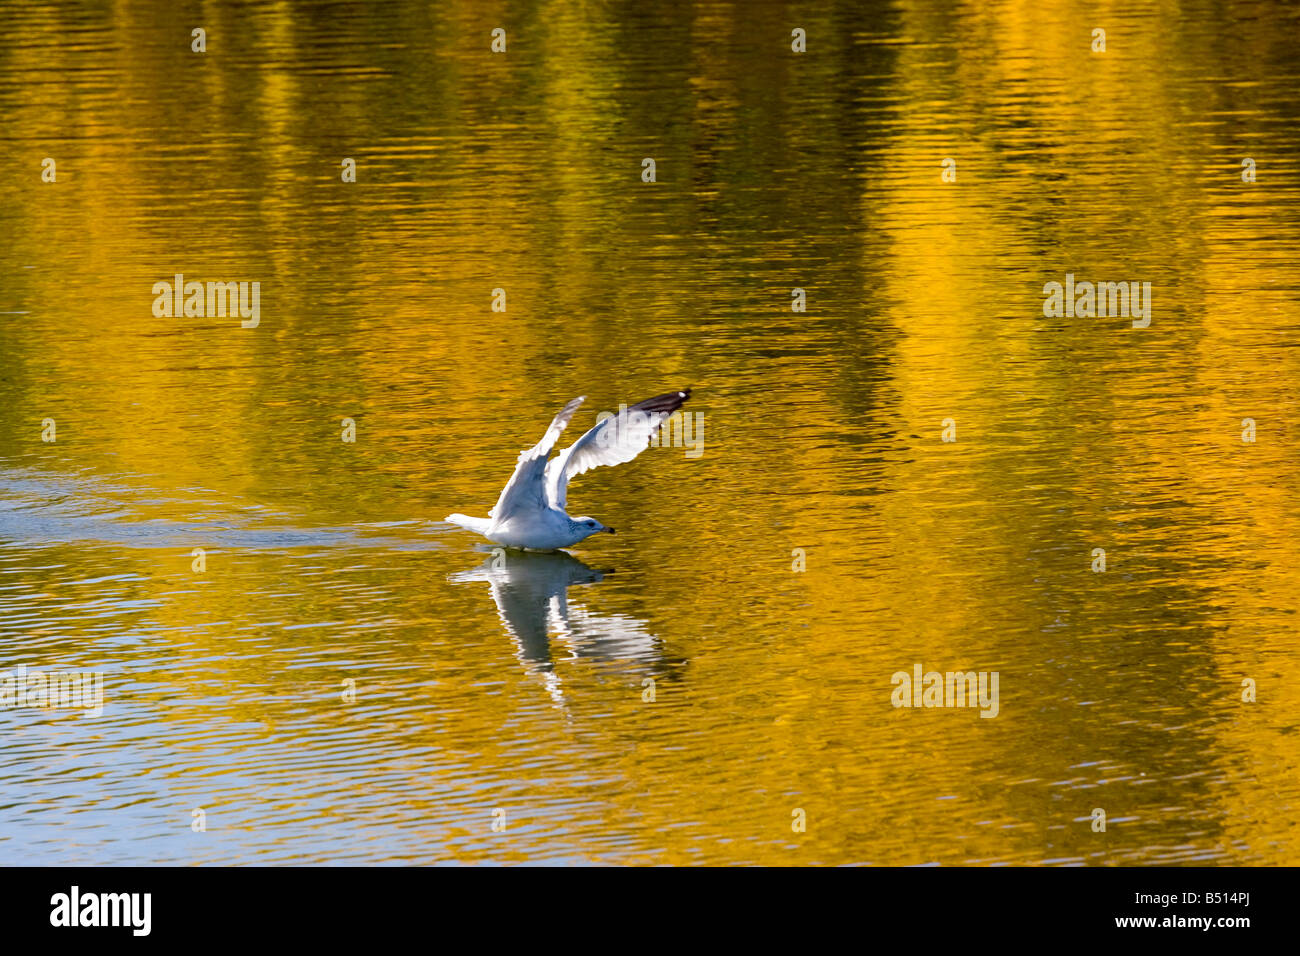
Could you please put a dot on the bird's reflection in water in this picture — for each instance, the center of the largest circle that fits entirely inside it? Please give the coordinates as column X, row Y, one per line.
column 530, row 591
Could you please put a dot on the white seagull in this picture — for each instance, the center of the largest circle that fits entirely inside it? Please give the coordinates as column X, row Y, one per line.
column 530, row 513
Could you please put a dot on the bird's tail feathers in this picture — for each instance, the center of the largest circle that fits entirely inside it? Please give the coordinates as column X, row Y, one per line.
column 477, row 525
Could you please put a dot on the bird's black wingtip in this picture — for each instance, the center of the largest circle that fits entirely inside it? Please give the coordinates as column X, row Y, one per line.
column 666, row 403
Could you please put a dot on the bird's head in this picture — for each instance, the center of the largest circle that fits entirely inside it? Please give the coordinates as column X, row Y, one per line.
column 589, row 526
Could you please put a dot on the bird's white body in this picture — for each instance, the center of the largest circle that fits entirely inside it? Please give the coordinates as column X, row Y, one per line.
column 530, row 514
column 544, row 530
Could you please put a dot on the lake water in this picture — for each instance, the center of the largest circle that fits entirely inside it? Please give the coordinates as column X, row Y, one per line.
column 347, row 679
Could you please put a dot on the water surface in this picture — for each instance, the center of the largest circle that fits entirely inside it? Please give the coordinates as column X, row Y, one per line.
column 522, row 686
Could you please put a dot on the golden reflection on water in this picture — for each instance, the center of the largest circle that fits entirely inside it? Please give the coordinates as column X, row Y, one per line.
column 524, row 686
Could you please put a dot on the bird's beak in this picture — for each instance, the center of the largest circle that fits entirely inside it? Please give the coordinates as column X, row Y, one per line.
column 610, row 530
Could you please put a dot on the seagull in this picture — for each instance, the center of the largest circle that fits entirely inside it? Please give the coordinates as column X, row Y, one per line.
column 530, row 514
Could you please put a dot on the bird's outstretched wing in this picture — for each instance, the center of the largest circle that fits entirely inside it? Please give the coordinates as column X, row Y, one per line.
column 525, row 491
column 617, row 439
